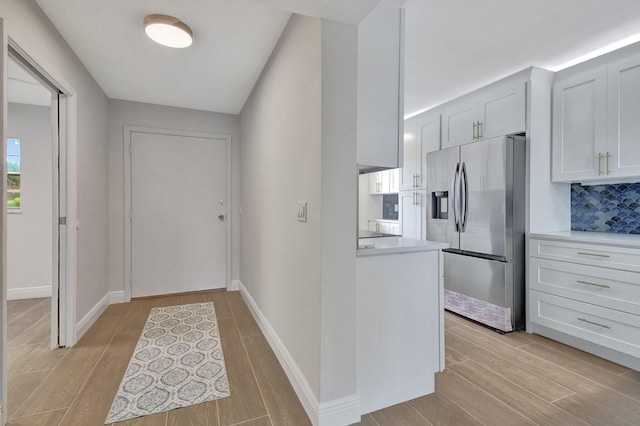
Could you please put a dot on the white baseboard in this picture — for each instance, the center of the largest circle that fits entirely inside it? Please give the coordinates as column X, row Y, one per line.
column 343, row 411
column 234, row 285
column 339, row 412
column 94, row 313
column 29, row 292
column 116, row 297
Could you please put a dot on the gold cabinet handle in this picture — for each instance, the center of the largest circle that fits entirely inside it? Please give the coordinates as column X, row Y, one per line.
column 593, row 284
column 599, row 163
column 593, row 323
column 607, row 162
column 593, row 254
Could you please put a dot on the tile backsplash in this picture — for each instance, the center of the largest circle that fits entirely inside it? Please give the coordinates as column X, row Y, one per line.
column 390, row 206
column 606, row 208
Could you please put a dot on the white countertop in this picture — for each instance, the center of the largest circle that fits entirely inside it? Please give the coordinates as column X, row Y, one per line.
column 395, row 245
column 606, row 238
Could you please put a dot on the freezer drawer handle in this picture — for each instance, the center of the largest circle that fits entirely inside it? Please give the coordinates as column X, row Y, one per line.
column 593, row 323
column 593, row 284
column 593, row 254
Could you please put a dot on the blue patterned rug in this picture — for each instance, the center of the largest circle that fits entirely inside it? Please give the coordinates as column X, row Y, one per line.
column 178, row 362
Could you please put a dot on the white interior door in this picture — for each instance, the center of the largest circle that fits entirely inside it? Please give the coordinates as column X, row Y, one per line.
column 178, row 214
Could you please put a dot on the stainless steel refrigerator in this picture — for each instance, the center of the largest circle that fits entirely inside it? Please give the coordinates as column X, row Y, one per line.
column 476, row 203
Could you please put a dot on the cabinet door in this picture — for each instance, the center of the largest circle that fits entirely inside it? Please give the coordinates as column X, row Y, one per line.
column 410, row 214
column 375, row 183
column 394, row 180
column 623, row 120
column 380, row 86
column 579, row 128
column 457, row 123
column 429, row 142
column 385, row 179
column 411, row 163
column 384, row 227
column 502, row 110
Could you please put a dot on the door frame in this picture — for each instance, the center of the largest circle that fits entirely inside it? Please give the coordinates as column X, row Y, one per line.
column 126, row 214
column 64, row 143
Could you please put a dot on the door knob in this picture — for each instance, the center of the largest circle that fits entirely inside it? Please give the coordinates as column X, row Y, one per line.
column 221, row 217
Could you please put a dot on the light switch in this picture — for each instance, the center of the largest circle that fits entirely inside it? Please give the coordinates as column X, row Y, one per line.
column 302, row 211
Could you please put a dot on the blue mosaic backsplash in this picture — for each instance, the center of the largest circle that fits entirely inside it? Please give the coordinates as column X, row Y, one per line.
column 606, row 208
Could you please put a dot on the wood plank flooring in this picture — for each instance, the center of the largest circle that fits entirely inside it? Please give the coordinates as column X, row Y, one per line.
column 491, row 379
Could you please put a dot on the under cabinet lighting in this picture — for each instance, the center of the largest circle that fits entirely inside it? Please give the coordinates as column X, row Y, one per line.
column 168, row 31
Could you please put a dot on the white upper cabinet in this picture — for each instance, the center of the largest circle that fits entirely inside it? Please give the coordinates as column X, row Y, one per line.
column 596, row 125
column 459, row 123
column 422, row 135
column 579, row 127
column 384, row 182
column 502, row 110
column 623, row 118
column 495, row 110
column 381, row 86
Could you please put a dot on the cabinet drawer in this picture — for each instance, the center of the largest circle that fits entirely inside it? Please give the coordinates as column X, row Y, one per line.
column 610, row 288
column 612, row 329
column 626, row 259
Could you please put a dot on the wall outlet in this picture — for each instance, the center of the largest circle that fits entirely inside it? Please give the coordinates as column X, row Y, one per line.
column 302, row 211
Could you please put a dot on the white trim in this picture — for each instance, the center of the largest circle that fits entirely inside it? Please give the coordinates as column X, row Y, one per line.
column 127, row 194
column 341, row 411
column 94, row 313
column 291, row 369
column 235, row 285
column 116, row 297
column 63, row 321
column 29, row 292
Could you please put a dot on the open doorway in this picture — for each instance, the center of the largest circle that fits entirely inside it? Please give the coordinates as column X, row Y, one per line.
column 32, row 266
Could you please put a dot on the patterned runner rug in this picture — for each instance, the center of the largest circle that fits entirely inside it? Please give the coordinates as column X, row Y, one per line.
column 178, row 362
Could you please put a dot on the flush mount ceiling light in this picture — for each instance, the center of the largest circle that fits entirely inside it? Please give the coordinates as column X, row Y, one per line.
column 168, row 31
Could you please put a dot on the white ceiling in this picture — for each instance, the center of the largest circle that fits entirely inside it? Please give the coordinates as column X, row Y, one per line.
column 24, row 88
column 452, row 46
column 455, row 46
column 232, row 41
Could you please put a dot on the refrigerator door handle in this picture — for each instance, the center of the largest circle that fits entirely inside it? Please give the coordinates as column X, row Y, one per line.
column 464, row 190
column 455, row 200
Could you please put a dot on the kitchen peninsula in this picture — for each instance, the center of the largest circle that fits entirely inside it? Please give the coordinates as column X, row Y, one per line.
column 400, row 319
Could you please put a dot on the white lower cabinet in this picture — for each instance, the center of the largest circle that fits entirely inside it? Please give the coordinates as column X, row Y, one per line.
column 412, row 214
column 612, row 329
column 384, row 226
column 586, row 295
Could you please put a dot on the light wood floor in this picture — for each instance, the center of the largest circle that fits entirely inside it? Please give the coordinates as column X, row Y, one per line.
column 490, row 379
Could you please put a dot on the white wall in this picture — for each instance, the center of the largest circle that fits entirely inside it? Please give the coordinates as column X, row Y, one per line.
column 339, row 206
column 33, row 32
column 30, row 233
column 298, row 132
column 280, row 258
column 123, row 113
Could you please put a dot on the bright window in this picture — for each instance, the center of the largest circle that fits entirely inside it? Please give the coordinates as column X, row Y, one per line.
column 13, row 173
